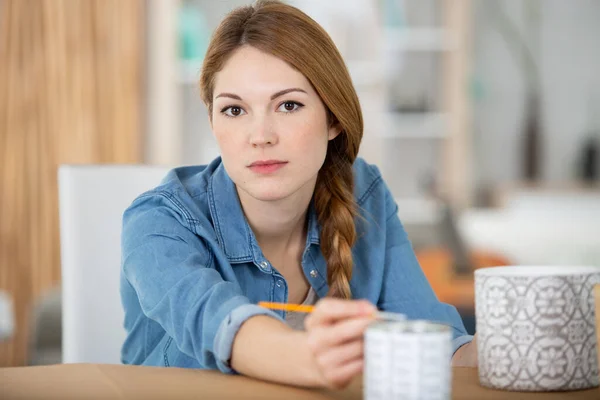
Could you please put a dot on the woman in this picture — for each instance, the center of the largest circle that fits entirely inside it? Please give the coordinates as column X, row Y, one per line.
column 287, row 214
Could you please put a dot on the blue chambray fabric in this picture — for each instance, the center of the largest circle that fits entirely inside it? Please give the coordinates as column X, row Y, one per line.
column 192, row 271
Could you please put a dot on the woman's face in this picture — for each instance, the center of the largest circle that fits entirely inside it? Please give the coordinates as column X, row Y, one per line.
column 270, row 124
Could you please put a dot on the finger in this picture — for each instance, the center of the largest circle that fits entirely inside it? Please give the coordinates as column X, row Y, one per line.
column 339, row 355
column 328, row 311
column 339, row 378
column 323, row 337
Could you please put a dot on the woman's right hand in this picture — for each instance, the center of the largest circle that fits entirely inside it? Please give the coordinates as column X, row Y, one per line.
column 335, row 332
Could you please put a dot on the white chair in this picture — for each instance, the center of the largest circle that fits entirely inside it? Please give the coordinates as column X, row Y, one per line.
column 7, row 317
column 92, row 199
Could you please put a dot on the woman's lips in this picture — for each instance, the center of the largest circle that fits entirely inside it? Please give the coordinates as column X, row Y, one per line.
column 267, row 166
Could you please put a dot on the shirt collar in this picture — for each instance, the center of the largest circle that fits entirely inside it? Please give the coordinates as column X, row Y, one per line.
column 233, row 232
column 313, row 235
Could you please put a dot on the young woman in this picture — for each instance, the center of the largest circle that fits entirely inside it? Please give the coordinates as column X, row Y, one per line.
column 288, row 213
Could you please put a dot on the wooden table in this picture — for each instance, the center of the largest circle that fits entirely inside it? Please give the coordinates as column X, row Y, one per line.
column 100, row 381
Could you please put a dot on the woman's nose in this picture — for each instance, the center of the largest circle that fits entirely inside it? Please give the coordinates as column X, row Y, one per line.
column 263, row 134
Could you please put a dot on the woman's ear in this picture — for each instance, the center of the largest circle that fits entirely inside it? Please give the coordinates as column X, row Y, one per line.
column 334, row 130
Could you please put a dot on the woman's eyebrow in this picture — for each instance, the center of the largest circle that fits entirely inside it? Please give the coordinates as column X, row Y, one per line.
column 286, row 91
column 273, row 96
column 230, row 95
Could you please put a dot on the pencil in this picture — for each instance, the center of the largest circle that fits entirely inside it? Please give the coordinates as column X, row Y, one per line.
column 287, row 307
column 308, row 309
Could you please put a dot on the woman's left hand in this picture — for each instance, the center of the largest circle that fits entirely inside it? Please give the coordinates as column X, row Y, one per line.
column 466, row 356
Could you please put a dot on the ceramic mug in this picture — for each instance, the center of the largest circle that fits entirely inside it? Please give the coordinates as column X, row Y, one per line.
column 536, row 328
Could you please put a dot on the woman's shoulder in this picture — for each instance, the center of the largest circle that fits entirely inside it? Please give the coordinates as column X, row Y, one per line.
column 183, row 181
column 182, row 191
column 368, row 181
column 191, row 179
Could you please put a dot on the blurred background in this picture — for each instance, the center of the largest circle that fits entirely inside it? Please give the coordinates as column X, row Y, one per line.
column 482, row 115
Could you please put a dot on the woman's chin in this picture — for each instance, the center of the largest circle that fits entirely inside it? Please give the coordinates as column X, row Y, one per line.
column 268, row 191
column 269, row 195
column 277, row 189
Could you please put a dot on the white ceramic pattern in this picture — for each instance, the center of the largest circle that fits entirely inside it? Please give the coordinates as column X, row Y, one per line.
column 536, row 332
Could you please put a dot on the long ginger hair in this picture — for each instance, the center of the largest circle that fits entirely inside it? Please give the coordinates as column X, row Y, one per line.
column 290, row 35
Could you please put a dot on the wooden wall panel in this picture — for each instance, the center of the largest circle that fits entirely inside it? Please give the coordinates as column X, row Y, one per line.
column 70, row 92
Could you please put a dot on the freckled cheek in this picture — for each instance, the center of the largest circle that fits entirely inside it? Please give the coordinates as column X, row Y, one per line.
column 308, row 142
column 227, row 140
column 306, row 134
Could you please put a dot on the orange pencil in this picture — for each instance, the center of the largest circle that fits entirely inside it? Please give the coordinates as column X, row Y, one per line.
column 308, row 309
column 287, row 307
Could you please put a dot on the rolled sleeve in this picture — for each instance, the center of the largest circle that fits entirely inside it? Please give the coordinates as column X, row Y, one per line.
column 229, row 328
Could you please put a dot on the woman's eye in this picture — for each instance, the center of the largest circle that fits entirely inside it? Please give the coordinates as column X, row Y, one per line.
column 233, row 111
column 289, row 106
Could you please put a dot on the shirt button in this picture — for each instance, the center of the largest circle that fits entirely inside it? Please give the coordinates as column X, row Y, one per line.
column 279, row 283
column 264, row 265
column 313, row 273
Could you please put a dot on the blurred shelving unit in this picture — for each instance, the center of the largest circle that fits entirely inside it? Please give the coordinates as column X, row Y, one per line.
column 417, row 39
column 417, row 125
column 427, row 133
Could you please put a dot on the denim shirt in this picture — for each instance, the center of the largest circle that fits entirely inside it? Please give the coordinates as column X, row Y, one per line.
column 192, row 271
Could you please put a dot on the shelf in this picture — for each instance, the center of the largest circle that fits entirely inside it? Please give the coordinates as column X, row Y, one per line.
column 417, row 39
column 366, row 73
column 418, row 210
column 414, row 125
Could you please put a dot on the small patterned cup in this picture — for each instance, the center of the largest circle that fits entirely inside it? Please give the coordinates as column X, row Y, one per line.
column 536, row 328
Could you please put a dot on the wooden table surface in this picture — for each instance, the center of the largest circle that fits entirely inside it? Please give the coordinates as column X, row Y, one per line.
column 100, row 381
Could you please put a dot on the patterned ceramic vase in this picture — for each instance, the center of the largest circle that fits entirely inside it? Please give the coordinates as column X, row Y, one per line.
column 536, row 327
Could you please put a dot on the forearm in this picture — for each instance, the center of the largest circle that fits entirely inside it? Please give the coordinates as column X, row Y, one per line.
column 466, row 355
column 267, row 349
